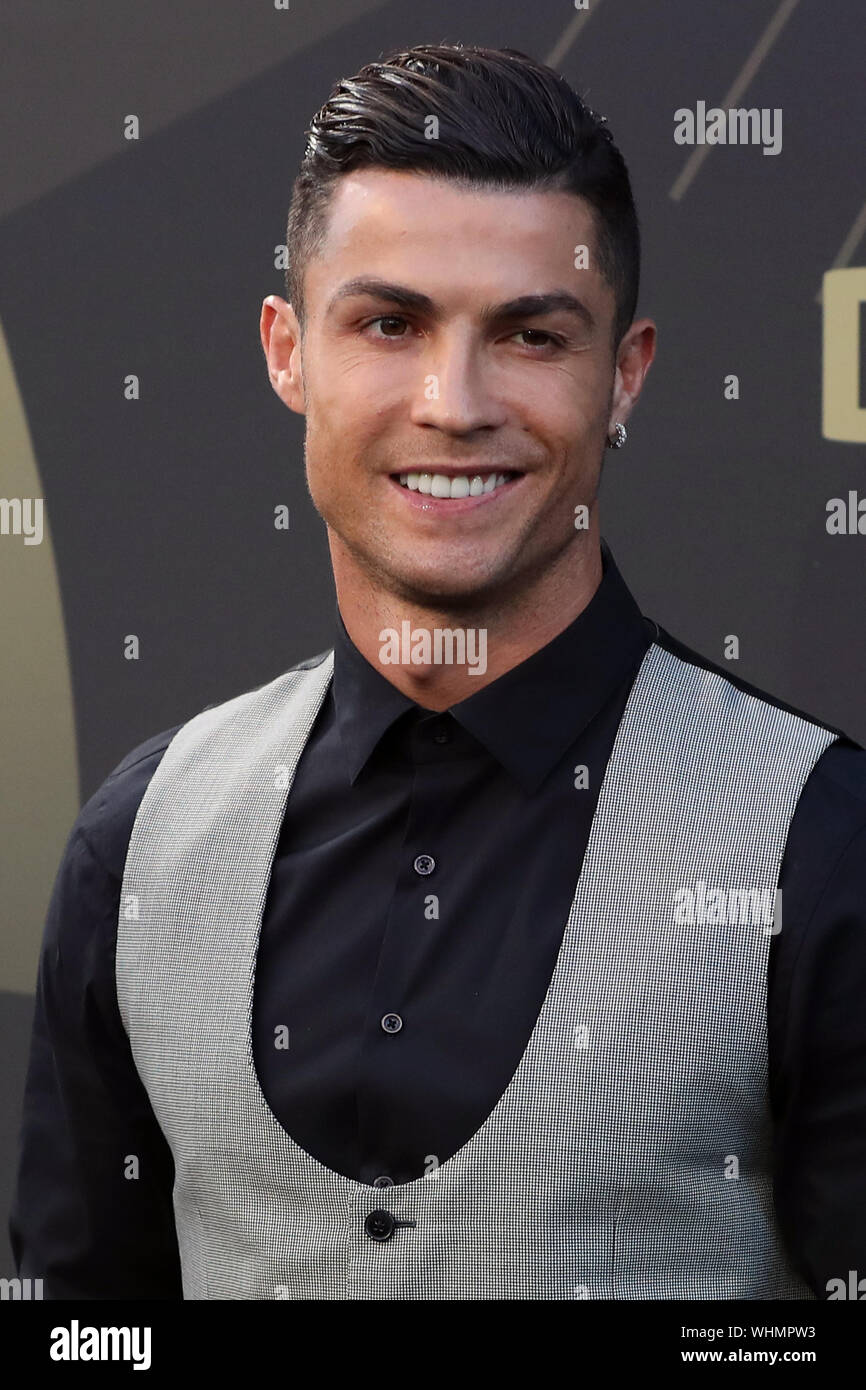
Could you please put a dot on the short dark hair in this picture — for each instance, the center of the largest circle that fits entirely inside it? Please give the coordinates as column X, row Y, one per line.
column 505, row 121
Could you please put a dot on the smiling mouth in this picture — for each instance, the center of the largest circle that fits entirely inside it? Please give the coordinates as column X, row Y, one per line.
column 445, row 485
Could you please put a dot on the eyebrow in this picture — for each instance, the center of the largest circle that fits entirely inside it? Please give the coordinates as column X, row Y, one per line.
column 525, row 306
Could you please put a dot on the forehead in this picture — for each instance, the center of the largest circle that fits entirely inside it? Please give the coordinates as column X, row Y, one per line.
column 393, row 222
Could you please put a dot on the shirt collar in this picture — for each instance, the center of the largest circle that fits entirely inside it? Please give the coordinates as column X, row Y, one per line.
column 549, row 698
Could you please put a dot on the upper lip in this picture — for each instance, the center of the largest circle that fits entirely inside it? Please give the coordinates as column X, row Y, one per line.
column 452, row 470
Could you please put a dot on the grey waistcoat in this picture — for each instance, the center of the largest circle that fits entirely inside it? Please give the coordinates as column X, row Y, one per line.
column 628, row 1157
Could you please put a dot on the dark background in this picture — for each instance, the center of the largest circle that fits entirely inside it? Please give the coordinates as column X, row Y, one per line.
column 153, row 256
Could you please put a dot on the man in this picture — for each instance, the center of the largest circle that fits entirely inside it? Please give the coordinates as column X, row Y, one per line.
column 450, row 963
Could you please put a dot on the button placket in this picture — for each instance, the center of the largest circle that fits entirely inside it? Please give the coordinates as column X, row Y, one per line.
column 398, row 955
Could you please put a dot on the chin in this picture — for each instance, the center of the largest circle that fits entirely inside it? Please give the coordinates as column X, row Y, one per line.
column 443, row 589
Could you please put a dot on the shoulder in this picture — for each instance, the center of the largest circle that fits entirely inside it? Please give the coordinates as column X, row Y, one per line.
column 835, row 792
column 106, row 820
column 696, row 659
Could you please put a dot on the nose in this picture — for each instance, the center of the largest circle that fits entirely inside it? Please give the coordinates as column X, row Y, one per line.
column 453, row 392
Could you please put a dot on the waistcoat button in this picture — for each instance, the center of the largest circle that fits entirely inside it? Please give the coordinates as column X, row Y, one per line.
column 424, row 864
column 392, row 1023
column 379, row 1225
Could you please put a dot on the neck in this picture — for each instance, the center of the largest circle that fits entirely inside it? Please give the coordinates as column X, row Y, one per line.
column 489, row 634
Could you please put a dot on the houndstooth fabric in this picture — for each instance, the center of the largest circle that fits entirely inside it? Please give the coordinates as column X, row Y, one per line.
column 629, row 1157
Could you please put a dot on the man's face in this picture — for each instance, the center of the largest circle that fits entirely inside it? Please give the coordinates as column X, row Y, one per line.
column 454, row 384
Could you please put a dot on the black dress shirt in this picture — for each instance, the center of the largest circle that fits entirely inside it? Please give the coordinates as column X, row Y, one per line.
column 425, row 870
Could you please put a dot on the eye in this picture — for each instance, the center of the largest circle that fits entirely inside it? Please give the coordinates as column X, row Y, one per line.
column 552, row 340
column 385, row 318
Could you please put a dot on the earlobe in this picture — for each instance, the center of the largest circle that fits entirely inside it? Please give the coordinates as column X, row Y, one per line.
column 289, row 387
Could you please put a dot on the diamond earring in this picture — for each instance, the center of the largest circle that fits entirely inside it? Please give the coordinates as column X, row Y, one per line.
column 621, row 436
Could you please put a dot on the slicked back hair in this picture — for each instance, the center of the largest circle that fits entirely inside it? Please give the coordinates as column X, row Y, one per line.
column 505, row 122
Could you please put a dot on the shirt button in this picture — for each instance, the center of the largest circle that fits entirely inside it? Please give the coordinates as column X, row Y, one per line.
column 379, row 1225
column 392, row 1023
column 424, row 864
column 442, row 734
column 383, row 1181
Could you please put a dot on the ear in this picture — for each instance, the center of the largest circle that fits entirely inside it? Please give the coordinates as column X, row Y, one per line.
column 633, row 360
column 281, row 342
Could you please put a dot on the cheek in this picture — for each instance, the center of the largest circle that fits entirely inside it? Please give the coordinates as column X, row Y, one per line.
column 568, row 426
column 344, row 407
column 339, row 455
column 566, row 401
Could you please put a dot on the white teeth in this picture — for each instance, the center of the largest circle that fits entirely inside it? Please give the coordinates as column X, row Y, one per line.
column 441, row 485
